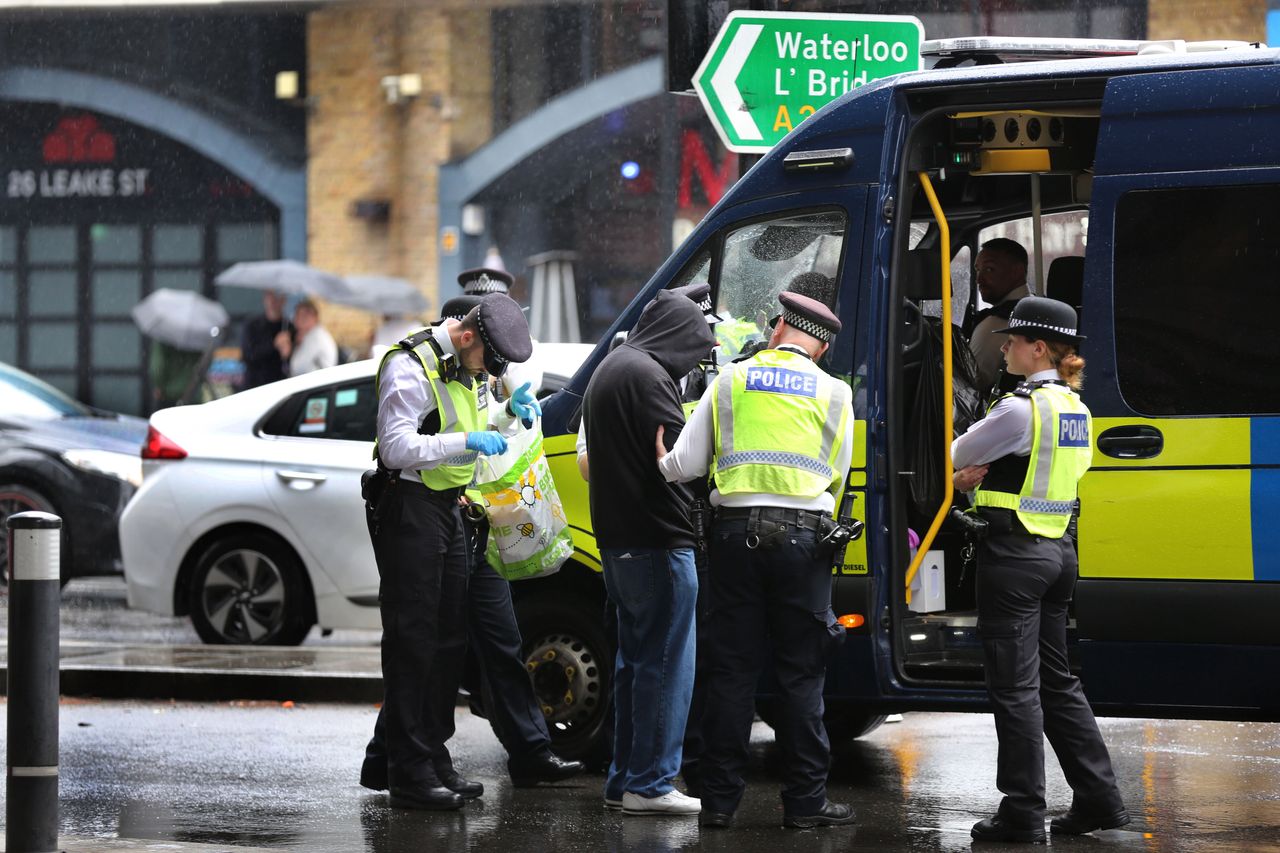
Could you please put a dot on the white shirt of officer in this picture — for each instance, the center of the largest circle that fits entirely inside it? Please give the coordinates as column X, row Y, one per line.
column 1005, row 431
column 691, row 456
column 405, row 400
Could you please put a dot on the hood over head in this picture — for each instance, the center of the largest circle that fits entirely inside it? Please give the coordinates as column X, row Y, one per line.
column 673, row 332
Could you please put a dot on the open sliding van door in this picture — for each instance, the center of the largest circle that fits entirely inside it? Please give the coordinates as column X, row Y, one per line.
column 1179, row 531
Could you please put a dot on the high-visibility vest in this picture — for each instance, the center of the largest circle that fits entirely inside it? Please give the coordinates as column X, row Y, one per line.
column 461, row 409
column 779, row 423
column 734, row 334
column 1061, row 451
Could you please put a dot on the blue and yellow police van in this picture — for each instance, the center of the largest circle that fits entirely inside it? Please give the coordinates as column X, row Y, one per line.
column 1144, row 179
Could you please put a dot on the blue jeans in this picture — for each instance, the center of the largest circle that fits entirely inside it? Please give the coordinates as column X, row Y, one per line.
column 655, row 592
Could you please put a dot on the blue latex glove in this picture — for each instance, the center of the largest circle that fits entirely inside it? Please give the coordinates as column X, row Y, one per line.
column 524, row 405
column 489, row 443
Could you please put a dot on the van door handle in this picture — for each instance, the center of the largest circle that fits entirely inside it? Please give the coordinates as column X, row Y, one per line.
column 301, row 480
column 1133, row 441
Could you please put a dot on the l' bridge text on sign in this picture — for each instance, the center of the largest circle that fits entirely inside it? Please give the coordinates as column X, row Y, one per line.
column 77, row 183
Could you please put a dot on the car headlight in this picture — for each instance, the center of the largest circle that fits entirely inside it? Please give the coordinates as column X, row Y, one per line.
column 122, row 466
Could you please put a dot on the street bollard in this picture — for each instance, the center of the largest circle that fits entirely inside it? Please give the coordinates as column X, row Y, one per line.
column 31, row 784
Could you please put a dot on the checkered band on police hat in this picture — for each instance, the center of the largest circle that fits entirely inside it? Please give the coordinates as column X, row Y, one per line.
column 482, row 280
column 807, row 326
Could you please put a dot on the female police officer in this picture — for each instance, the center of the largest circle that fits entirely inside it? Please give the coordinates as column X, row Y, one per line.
column 1028, row 455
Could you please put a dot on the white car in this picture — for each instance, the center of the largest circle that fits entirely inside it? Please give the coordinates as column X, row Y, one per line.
column 249, row 518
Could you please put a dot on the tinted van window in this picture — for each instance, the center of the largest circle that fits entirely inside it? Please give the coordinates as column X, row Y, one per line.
column 1197, row 300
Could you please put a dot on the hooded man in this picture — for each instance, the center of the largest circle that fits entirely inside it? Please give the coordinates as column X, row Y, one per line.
column 647, row 542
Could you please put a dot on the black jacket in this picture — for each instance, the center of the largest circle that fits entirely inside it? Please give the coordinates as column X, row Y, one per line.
column 636, row 388
column 262, row 361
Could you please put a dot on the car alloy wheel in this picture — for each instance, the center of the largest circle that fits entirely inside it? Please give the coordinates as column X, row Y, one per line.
column 242, row 596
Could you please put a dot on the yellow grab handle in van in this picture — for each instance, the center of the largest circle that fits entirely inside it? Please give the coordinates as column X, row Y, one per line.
column 947, row 401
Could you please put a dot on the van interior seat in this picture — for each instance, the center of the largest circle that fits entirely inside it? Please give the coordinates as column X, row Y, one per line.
column 1065, row 281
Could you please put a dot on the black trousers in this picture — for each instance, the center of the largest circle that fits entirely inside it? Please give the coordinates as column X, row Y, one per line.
column 767, row 601
column 503, row 681
column 1024, row 586
column 421, row 550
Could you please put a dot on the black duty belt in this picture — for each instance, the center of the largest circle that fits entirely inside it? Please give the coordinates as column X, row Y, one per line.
column 419, row 489
column 799, row 519
column 1002, row 522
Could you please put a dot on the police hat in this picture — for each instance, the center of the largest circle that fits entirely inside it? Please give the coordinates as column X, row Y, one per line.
column 809, row 316
column 1042, row 318
column 483, row 280
column 459, row 306
column 504, row 333
column 700, row 294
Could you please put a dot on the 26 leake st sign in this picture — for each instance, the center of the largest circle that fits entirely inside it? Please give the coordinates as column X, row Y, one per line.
column 767, row 72
column 77, row 183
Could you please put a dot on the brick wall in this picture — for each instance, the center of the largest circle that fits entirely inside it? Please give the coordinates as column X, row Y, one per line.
column 1207, row 19
column 362, row 147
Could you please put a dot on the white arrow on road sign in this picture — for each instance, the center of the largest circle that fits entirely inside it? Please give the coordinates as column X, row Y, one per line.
column 724, row 81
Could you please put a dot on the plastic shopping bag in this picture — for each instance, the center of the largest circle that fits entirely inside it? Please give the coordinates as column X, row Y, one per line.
column 528, row 534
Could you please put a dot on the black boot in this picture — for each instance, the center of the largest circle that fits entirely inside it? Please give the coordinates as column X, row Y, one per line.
column 546, row 768
column 1078, row 821
column 997, row 829
column 464, row 788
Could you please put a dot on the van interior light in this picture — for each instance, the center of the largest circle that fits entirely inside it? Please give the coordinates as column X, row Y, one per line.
column 812, row 161
column 852, row 620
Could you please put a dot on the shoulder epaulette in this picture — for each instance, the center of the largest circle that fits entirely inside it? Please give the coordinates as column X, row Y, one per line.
column 1025, row 388
column 416, row 339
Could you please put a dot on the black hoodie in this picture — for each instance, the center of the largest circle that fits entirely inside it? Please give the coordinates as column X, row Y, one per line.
column 636, row 388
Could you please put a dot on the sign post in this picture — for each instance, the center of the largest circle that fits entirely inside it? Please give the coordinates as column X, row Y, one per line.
column 768, row 71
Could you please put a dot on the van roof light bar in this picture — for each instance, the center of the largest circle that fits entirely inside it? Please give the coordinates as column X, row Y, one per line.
column 998, row 49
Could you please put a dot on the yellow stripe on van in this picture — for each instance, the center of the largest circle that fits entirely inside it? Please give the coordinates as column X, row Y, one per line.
column 1141, row 520
column 1202, row 442
column 1189, row 524
column 562, row 457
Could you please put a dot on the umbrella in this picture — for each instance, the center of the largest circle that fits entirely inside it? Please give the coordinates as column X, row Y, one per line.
column 289, row 277
column 180, row 318
column 384, row 295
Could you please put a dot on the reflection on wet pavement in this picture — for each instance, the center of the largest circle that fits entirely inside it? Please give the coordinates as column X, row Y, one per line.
column 262, row 775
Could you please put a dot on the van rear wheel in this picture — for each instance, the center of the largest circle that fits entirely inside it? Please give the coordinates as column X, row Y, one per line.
column 571, row 664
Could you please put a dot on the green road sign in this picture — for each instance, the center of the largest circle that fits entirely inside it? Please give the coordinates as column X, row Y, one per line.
column 768, row 71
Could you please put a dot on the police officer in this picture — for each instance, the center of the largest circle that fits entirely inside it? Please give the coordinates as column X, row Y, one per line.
column 1026, row 458
column 493, row 636
column 482, row 281
column 776, row 434
column 433, row 417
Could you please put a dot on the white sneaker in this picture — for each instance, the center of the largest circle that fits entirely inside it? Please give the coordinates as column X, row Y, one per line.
column 671, row 803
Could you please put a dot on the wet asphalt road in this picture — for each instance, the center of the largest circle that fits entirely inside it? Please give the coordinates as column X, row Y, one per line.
column 271, row 776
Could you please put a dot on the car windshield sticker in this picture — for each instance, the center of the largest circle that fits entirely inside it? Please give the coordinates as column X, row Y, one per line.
column 345, row 397
column 313, row 416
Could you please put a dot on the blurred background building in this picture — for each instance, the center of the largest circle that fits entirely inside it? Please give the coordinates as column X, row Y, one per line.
column 153, row 145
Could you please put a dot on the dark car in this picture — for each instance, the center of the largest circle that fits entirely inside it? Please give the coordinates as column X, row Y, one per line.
column 58, row 455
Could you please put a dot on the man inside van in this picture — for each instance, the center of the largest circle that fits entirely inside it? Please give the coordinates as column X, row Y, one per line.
column 1001, row 269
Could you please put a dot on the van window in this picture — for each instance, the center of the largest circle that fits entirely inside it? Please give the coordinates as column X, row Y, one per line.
column 1197, row 300
column 762, row 259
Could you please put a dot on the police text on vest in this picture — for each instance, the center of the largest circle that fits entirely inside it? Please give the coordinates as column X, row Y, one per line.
column 779, row 380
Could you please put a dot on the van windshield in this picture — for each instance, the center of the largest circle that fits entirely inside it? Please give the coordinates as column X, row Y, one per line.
column 799, row 252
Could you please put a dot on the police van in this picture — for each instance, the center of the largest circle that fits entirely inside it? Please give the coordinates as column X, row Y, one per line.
column 1152, row 172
